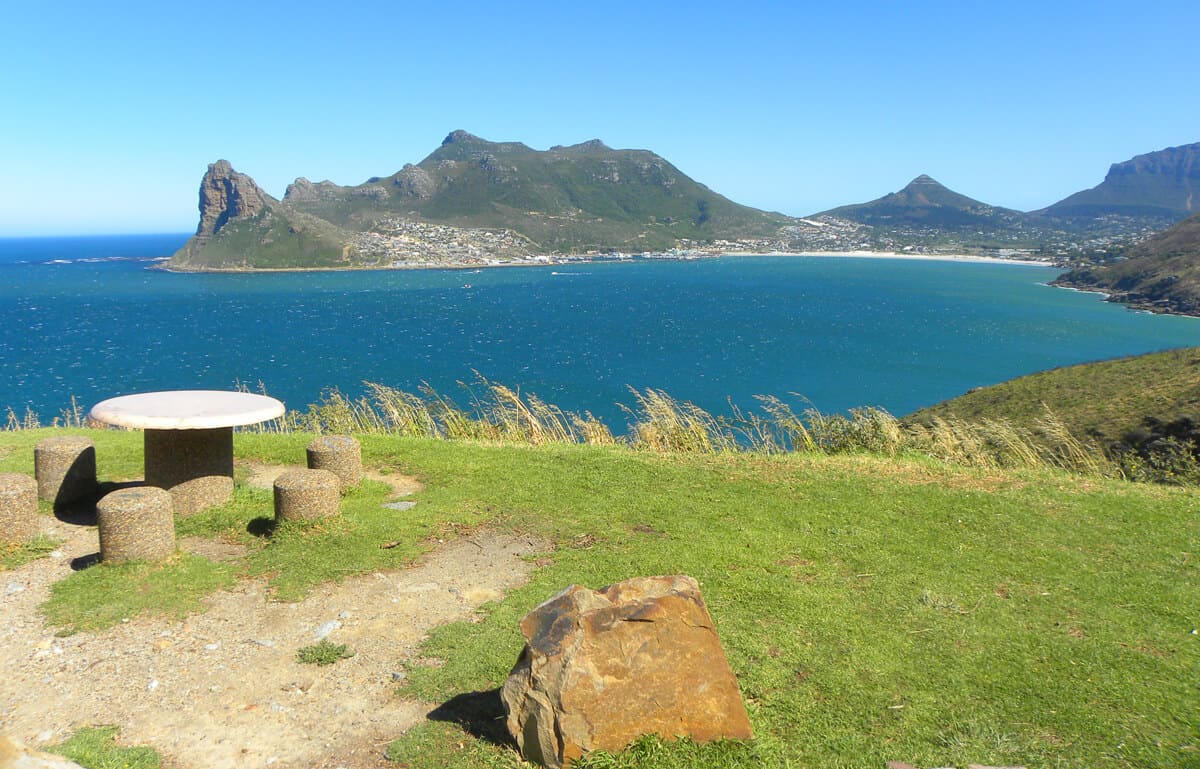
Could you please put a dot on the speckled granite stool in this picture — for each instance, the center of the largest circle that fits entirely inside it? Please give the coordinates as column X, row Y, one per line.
column 18, row 508
column 66, row 469
column 136, row 524
column 306, row 495
column 340, row 455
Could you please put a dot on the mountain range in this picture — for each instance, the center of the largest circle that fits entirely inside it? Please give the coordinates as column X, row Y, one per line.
column 472, row 201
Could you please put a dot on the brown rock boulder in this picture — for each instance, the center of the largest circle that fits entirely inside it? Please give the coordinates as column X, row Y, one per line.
column 602, row 667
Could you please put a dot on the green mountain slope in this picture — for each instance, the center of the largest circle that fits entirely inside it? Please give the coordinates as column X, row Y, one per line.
column 586, row 196
column 1160, row 274
column 1106, row 400
column 1163, row 184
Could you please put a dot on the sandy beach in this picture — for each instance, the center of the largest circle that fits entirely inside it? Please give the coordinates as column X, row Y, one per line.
column 897, row 255
column 558, row 260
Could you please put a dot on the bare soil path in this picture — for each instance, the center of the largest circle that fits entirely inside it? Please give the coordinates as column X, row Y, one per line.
column 222, row 689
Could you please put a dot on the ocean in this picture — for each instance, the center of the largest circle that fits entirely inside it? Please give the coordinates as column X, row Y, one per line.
column 831, row 332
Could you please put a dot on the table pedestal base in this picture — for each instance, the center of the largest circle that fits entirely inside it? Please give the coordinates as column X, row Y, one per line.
column 196, row 466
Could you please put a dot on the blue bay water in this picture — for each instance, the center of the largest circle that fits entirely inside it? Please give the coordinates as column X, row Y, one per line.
column 842, row 332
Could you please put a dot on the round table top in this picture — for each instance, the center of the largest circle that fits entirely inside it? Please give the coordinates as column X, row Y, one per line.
column 186, row 410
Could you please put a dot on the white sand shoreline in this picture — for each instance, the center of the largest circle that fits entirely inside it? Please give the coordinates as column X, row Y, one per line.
column 897, row 255
column 576, row 259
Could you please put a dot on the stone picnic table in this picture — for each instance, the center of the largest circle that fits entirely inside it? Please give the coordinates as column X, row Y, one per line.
column 188, row 438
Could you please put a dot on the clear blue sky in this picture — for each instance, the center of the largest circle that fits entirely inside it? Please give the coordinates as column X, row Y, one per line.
column 110, row 112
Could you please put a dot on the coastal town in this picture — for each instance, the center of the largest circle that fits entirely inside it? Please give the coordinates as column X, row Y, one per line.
column 406, row 243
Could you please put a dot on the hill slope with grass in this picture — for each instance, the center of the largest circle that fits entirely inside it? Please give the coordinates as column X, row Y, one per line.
column 1128, row 404
column 1161, row 274
column 874, row 609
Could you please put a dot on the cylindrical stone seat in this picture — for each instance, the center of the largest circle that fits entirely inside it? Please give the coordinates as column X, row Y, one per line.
column 18, row 508
column 136, row 524
column 340, row 455
column 65, row 466
column 196, row 466
column 306, row 495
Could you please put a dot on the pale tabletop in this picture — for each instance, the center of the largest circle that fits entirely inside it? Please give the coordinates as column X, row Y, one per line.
column 186, row 410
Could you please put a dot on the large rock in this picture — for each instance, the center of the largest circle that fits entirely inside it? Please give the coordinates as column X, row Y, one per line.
column 225, row 195
column 602, row 667
column 15, row 755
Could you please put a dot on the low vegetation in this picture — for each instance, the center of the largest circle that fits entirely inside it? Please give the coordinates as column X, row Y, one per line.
column 96, row 748
column 13, row 554
column 323, row 653
column 171, row 589
column 873, row 607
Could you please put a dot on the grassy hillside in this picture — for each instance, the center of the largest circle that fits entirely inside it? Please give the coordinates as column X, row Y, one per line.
column 1105, row 400
column 276, row 237
column 1161, row 274
column 872, row 608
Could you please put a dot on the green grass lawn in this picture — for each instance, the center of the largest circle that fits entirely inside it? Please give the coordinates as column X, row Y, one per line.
column 873, row 609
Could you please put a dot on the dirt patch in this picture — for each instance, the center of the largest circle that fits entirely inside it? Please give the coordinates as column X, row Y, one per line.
column 263, row 477
column 213, row 549
column 223, row 689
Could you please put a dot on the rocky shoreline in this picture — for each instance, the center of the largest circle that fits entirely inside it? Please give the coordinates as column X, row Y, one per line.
column 1165, row 305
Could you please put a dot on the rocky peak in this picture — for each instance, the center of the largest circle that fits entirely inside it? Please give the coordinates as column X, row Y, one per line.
column 592, row 145
column 225, row 195
column 302, row 190
column 414, row 182
column 459, row 137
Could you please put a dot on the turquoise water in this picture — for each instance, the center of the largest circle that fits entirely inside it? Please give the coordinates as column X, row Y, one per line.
column 842, row 332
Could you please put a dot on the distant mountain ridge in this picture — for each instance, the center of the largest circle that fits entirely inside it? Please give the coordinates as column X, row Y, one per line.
column 581, row 197
column 926, row 202
column 1161, row 184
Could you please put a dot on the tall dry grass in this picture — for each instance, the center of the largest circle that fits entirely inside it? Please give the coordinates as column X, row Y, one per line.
column 659, row 422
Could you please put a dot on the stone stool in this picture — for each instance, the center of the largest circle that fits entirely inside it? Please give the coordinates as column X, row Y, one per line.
column 18, row 508
column 136, row 524
column 66, row 469
column 306, row 495
column 339, row 454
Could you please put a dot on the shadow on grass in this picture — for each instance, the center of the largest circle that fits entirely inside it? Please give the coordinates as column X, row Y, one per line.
column 480, row 714
column 262, row 526
column 82, row 512
column 85, row 561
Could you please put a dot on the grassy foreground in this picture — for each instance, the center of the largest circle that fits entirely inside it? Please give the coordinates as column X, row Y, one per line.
column 873, row 608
